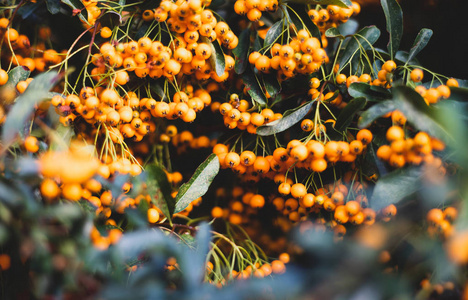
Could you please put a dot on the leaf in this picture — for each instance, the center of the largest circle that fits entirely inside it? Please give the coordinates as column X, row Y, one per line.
column 253, row 88
column 271, row 84
column 242, row 51
column 195, row 265
column 403, row 57
column 348, row 28
column 77, row 5
column 159, row 189
column 334, row 32
column 418, row 113
column 53, row 6
column 375, row 112
column 273, row 33
column 217, row 60
column 16, row 75
column 198, row 184
column 394, row 20
column 395, row 186
column 27, row 9
column 290, row 117
column 24, row 106
column 370, row 92
column 301, row 20
column 365, row 38
column 340, row 3
column 348, row 112
column 110, row 19
column 420, row 42
column 156, row 87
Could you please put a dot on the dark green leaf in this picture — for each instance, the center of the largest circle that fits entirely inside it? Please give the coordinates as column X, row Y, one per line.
column 110, row 19
column 27, row 9
column 217, row 60
column 271, row 84
column 418, row 113
column 53, row 6
column 458, row 93
column 242, row 51
column 403, row 57
column 198, row 184
column 348, row 28
column 77, row 5
column 375, row 112
column 156, row 87
column 347, row 114
column 334, row 32
column 394, row 19
column 365, row 38
column 299, row 18
column 340, row 3
column 24, row 106
column 257, row 44
column 370, row 92
column 16, row 75
column 420, row 42
column 159, row 189
column 253, row 87
column 395, row 186
column 273, row 33
column 290, row 117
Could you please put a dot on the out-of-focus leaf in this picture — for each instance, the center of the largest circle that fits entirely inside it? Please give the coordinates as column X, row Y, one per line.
column 403, row 57
column 271, row 84
column 298, row 16
column 253, row 87
column 395, row 186
column 334, row 32
column 53, row 6
column 77, row 5
column 420, row 42
column 217, row 60
column 290, row 117
column 24, row 106
column 242, row 51
column 394, row 20
column 159, row 189
column 370, row 92
column 375, row 112
column 273, row 33
column 27, row 9
column 198, row 184
column 347, row 114
column 364, row 38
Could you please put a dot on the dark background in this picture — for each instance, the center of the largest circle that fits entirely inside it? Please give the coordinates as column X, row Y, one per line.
column 447, row 51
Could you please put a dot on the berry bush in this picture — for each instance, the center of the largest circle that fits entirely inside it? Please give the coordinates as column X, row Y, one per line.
column 195, row 149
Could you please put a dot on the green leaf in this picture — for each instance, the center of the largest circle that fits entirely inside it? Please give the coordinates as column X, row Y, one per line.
column 253, row 87
column 364, row 38
column 273, row 33
column 110, row 19
column 395, row 186
column 420, row 42
column 271, row 84
column 419, row 114
column 159, row 189
column 334, row 32
column 298, row 16
column 198, row 184
column 340, row 3
column 21, row 111
column 16, row 75
column 53, row 6
column 375, row 112
column 27, row 9
column 370, row 92
column 242, row 51
column 290, row 117
column 348, row 112
column 77, row 5
column 394, row 19
column 217, row 60
column 156, row 87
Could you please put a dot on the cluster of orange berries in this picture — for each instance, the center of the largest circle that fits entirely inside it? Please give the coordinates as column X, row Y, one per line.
column 441, row 221
column 93, row 12
column 332, row 15
column 254, row 8
column 437, row 288
column 434, row 94
column 303, row 55
column 384, row 76
column 409, row 150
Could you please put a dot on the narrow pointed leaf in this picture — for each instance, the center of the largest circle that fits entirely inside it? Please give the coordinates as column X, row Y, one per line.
column 363, row 38
column 420, row 42
column 24, row 105
column 273, row 33
column 375, row 112
column 271, row 84
column 159, row 189
column 198, row 184
column 242, row 51
column 16, row 75
column 394, row 20
column 334, row 32
column 290, row 118
column 253, row 87
column 370, row 92
column 395, row 186
column 347, row 114
column 217, row 56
